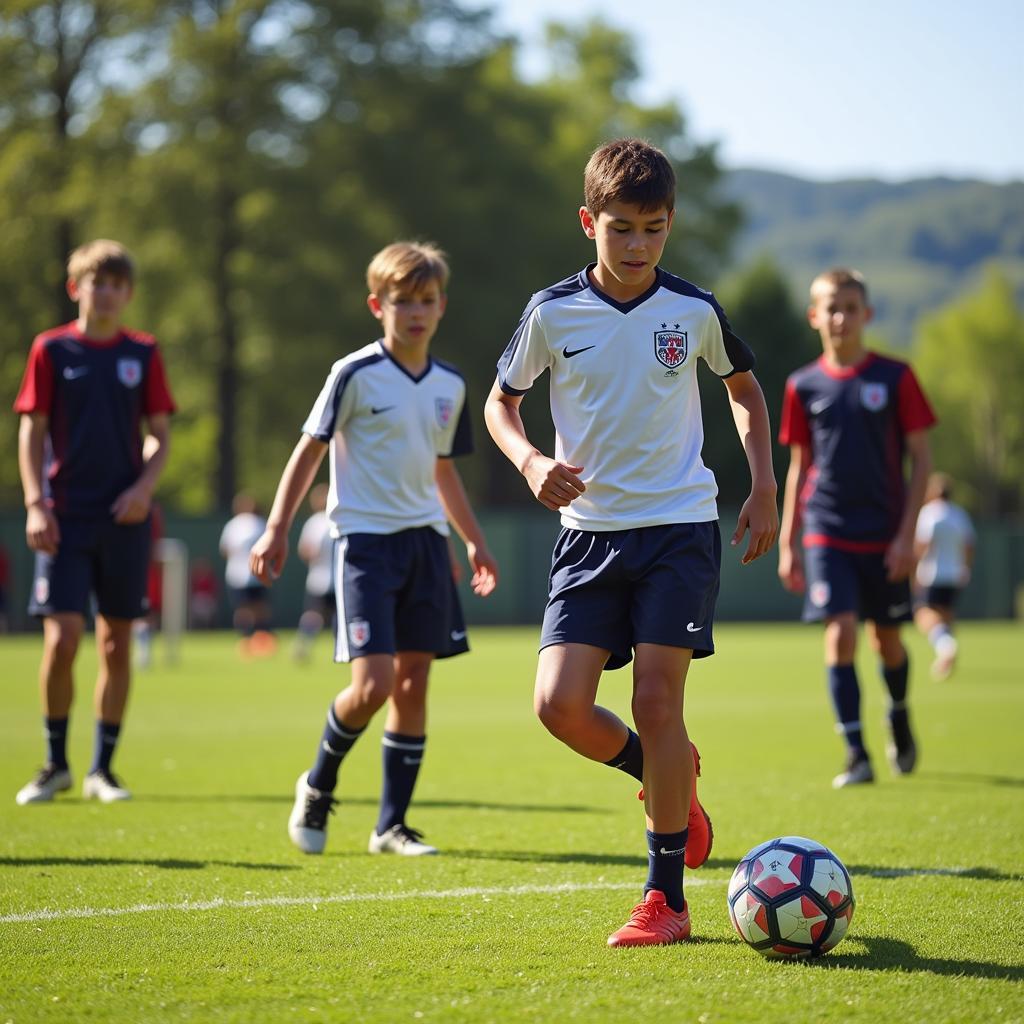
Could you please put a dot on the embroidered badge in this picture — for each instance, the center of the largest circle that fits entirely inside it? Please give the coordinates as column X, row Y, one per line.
column 874, row 396
column 443, row 409
column 670, row 346
column 358, row 632
column 129, row 372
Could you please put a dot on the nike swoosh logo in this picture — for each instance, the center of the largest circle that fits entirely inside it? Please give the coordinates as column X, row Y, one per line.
column 377, row 410
column 898, row 609
column 671, row 853
column 457, row 636
column 691, row 628
column 73, row 372
column 569, row 353
column 819, row 406
column 412, row 760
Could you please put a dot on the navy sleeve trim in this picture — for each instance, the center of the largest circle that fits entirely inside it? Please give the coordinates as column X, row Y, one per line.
column 462, row 442
column 328, row 419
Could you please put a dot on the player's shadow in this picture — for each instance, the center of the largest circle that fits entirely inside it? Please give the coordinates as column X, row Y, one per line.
column 356, row 801
column 630, row 860
column 887, row 954
column 168, row 863
column 978, row 873
column 973, row 778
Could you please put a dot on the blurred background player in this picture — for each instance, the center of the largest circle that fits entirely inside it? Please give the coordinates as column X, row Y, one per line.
column 250, row 599
column 143, row 629
column 316, row 549
column 944, row 546
column 851, row 419
column 202, row 594
column 392, row 418
column 88, row 478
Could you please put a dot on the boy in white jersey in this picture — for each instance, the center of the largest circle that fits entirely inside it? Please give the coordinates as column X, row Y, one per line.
column 316, row 549
column 636, row 566
column 944, row 547
column 392, row 416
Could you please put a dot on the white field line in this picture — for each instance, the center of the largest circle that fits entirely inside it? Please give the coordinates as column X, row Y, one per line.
column 219, row 903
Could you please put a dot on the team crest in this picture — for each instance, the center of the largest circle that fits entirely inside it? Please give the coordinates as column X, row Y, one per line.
column 42, row 590
column 819, row 594
column 129, row 372
column 874, row 396
column 358, row 632
column 670, row 348
column 443, row 409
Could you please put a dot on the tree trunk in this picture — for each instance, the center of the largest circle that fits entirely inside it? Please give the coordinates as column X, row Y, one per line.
column 227, row 330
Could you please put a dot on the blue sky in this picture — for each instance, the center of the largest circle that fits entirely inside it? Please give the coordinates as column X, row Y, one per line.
column 895, row 89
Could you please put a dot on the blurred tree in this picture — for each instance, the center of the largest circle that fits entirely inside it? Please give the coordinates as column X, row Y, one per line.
column 761, row 310
column 969, row 356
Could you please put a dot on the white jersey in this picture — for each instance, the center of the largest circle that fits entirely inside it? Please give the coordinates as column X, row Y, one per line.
column 947, row 530
column 236, row 541
column 624, row 396
column 316, row 537
column 386, row 430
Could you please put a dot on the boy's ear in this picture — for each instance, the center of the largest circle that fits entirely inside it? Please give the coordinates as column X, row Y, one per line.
column 373, row 302
column 71, row 286
column 588, row 222
column 812, row 316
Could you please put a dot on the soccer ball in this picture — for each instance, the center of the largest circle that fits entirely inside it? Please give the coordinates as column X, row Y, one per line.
column 791, row 897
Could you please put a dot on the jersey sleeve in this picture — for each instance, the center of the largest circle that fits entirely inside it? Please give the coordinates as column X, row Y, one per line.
column 36, row 391
column 925, row 526
column 793, row 428
column 462, row 439
column 723, row 350
column 527, row 355
column 913, row 409
column 333, row 405
column 157, row 397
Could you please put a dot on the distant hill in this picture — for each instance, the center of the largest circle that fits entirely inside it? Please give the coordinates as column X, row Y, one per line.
column 919, row 242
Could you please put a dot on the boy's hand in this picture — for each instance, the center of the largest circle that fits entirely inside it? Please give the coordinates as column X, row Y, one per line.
column 554, row 484
column 41, row 530
column 132, row 505
column 899, row 559
column 268, row 555
column 791, row 569
column 485, row 569
column 760, row 515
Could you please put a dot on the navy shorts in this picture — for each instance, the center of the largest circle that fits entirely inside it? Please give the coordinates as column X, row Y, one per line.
column 846, row 581
column 617, row 589
column 395, row 592
column 937, row 596
column 95, row 556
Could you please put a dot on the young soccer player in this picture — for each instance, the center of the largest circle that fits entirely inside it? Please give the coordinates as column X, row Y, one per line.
column 851, row 419
column 250, row 599
column 392, row 417
column 88, row 477
column 635, row 570
column 944, row 547
column 316, row 549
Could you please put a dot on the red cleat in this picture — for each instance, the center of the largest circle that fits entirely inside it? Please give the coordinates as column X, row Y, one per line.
column 653, row 923
column 699, row 834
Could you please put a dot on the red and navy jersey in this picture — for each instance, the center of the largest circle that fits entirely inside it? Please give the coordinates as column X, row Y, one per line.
column 95, row 394
column 854, row 420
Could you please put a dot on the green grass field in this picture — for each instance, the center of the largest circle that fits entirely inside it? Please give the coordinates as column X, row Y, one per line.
column 189, row 903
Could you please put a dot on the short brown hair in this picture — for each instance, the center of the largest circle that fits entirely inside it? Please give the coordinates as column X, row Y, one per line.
column 410, row 265
column 101, row 256
column 841, row 277
column 629, row 171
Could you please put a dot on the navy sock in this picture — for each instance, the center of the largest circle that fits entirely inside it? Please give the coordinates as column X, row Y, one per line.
column 896, row 681
column 106, row 741
column 845, row 690
column 56, row 730
column 335, row 743
column 665, row 866
column 630, row 759
column 402, row 756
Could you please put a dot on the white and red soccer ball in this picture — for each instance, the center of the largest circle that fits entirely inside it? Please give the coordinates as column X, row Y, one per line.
column 791, row 897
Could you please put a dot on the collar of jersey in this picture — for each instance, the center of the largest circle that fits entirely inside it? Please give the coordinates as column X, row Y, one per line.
column 622, row 307
column 76, row 333
column 846, row 372
column 399, row 366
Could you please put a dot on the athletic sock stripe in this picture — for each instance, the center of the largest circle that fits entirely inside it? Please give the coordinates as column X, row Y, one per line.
column 848, row 726
column 385, row 741
column 336, row 727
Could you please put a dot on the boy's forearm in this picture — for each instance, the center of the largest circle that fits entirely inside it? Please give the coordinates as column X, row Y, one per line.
column 920, row 470
column 455, row 503
column 155, row 450
column 750, row 414
column 789, row 532
column 296, row 480
column 31, row 446
column 506, row 428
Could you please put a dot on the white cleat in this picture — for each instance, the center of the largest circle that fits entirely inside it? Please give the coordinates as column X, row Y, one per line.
column 307, row 824
column 50, row 781
column 945, row 661
column 857, row 773
column 402, row 840
column 103, row 786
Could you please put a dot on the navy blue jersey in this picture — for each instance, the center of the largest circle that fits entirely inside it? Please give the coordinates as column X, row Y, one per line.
column 95, row 394
column 854, row 420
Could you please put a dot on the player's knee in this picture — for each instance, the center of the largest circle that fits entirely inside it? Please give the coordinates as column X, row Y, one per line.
column 62, row 646
column 372, row 693
column 655, row 705
column 559, row 716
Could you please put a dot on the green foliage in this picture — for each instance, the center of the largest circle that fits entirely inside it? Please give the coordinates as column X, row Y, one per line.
column 970, row 358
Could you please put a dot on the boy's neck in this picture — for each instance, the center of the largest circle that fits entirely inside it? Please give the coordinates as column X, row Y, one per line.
column 615, row 289
column 845, row 356
column 413, row 358
column 98, row 328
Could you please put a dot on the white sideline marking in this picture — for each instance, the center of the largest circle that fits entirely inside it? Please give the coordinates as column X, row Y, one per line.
column 312, row 901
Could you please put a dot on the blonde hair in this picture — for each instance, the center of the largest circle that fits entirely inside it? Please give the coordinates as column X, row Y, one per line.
column 102, row 255
column 408, row 265
column 840, row 277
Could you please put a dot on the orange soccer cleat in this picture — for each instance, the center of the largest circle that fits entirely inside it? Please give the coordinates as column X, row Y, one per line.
column 699, row 834
column 653, row 923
